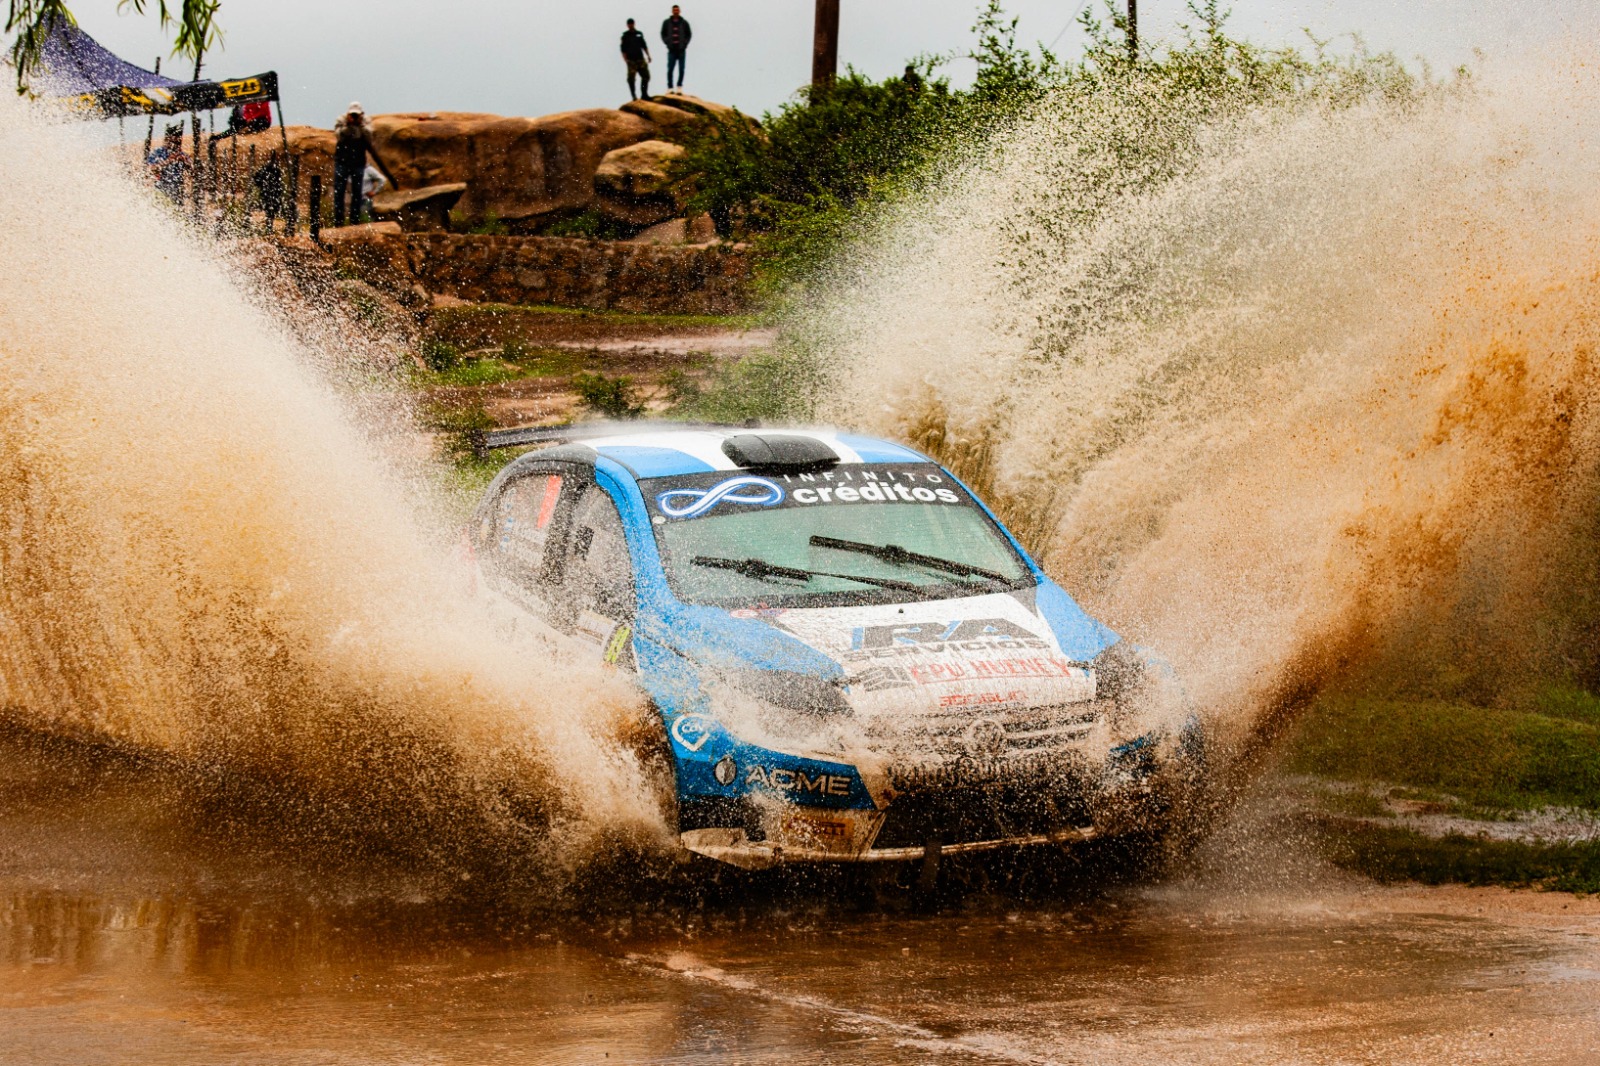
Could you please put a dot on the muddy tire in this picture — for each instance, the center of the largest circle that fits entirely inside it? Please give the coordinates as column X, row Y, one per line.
column 644, row 735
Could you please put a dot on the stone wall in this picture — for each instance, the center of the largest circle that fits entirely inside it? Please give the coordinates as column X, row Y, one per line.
column 600, row 275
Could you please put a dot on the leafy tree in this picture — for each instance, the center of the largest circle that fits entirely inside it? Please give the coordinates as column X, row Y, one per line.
column 30, row 21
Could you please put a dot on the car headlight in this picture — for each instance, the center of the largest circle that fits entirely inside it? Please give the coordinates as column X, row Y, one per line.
column 783, row 710
column 790, row 691
column 1143, row 690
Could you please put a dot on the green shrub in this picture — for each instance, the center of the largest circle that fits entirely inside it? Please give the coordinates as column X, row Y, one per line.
column 461, row 428
column 489, row 226
column 608, row 397
column 811, row 178
column 440, row 355
column 590, row 225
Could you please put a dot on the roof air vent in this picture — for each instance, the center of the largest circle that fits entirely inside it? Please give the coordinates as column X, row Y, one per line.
column 778, row 451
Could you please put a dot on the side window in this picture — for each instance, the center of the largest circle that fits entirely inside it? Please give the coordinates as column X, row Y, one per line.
column 599, row 573
column 523, row 520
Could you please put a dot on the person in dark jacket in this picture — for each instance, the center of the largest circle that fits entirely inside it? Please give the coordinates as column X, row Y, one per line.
column 636, row 53
column 169, row 165
column 269, row 185
column 352, row 144
column 675, row 34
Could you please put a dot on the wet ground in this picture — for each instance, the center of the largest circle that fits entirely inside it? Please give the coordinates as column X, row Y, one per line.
column 1155, row 975
column 130, row 934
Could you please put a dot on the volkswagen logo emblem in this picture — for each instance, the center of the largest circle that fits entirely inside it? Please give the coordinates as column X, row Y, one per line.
column 986, row 737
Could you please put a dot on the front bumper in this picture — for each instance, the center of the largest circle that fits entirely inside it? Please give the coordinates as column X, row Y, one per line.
column 734, row 847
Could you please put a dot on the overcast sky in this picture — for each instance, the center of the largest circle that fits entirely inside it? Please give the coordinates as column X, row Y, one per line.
column 533, row 57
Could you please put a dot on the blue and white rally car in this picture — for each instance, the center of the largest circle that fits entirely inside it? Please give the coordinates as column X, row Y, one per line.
column 851, row 658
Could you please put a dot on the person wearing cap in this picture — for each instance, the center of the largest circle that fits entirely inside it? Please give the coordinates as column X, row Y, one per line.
column 351, row 147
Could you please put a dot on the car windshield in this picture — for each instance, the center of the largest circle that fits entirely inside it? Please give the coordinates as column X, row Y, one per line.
column 856, row 534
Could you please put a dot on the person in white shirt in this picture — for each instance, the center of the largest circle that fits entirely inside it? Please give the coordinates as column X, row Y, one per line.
column 372, row 182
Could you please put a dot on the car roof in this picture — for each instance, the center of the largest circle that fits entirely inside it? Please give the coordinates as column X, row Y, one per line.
column 663, row 452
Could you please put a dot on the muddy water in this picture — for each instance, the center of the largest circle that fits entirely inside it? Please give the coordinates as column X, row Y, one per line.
column 1171, row 976
column 141, row 923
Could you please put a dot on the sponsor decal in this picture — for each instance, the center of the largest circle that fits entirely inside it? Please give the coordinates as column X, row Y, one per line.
column 874, row 492
column 940, row 638
column 979, row 699
column 749, row 491
column 692, row 730
column 1039, row 666
column 693, row 495
column 725, row 770
column 766, row 614
column 618, row 643
column 242, row 87
column 797, row 781
column 924, row 633
column 878, row 678
column 830, row 830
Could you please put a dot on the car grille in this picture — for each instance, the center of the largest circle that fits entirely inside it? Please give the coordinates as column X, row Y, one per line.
column 984, row 733
column 996, row 810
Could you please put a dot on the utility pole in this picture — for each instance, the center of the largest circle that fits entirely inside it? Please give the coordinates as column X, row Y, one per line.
column 825, row 44
column 1133, row 30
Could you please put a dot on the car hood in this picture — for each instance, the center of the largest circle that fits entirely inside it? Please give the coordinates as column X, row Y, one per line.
column 1017, row 648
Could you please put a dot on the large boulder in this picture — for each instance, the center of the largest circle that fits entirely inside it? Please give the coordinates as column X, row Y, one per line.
column 638, row 171
column 671, row 123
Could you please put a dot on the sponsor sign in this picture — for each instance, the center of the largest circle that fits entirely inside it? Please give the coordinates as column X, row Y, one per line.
column 689, row 496
column 692, row 730
column 779, row 779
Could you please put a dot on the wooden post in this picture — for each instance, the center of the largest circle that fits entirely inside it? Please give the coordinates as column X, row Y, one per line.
column 1133, row 30
column 211, row 169
column 316, row 206
column 291, row 206
column 825, row 44
column 196, row 169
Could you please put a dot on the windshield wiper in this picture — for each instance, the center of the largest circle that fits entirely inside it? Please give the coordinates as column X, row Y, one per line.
column 895, row 554
column 760, row 568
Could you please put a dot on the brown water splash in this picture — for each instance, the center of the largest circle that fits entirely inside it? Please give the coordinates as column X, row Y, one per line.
column 1333, row 426
column 201, row 557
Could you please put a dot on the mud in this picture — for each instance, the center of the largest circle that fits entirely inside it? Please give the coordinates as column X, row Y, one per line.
column 1178, row 975
column 137, row 928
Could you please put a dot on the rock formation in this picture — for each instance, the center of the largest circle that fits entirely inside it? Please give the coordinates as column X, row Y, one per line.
column 528, row 172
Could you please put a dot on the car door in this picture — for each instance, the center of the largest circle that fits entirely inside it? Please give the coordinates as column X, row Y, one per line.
column 553, row 544
column 594, row 595
column 520, row 541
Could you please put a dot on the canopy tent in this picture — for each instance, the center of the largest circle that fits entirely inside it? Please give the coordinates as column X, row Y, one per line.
column 76, row 68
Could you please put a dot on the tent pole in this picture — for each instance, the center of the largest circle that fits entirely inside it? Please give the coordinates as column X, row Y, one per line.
column 150, row 135
column 194, row 124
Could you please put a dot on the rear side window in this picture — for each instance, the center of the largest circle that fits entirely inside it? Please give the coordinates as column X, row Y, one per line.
column 523, row 521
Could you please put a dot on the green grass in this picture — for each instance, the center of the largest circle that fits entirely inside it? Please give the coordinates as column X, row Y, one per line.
column 513, row 363
column 441, row 318
column 1389, row 854
column 1485, row 758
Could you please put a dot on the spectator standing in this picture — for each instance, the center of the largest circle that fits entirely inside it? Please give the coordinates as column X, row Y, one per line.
column 269, row 187
column 169, row 164
column 675, row 34
column 371, row 183
column 352, row 145
column 636, row 53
